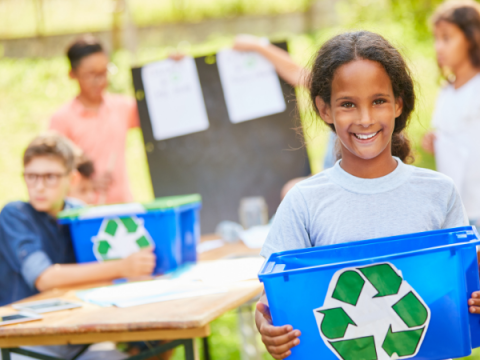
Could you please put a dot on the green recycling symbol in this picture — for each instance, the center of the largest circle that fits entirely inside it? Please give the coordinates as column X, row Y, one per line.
column 372, row 313
column 120, row 237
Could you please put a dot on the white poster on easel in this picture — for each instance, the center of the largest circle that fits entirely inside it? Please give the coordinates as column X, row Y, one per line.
column 174, row 98
column 250, row 85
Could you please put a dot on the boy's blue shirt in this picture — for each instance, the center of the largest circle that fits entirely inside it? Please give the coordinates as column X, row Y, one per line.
column 30, row 242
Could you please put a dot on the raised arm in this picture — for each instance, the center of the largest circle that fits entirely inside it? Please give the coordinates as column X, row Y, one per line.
column 285, row 66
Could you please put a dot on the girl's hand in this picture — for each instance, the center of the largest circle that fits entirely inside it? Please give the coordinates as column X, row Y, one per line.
column 277, row 339
column 474, row 303
column 176, row 56
column 247, row 43
column 428, row 142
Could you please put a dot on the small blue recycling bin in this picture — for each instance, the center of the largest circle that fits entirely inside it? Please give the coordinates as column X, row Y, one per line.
column 170, row 224
column 398, row 297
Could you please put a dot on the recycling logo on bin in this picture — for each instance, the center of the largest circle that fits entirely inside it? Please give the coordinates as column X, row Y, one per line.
column 120, row 237
column 372, row 313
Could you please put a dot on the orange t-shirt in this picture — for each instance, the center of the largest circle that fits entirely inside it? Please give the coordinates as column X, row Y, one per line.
column 102, row 136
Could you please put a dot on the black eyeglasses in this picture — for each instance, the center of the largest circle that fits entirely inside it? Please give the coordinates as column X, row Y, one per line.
column 49, row 179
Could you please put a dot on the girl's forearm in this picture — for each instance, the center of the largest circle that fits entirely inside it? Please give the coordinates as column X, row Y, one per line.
column 285, row 66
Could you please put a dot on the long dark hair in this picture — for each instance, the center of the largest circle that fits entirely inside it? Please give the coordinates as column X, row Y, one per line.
column 357, row 45
column 466, row 16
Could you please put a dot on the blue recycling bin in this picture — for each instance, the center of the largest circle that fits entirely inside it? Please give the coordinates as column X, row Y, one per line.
column 170, row 224
column 398, row 297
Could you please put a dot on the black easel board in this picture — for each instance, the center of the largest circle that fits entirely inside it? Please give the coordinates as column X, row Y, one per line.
column 227, row 161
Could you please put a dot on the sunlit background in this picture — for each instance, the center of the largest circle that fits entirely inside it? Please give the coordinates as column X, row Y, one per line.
column 34, row 81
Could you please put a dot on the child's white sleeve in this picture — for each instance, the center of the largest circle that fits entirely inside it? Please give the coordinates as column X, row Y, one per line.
column 456, row 215
column 290, row 228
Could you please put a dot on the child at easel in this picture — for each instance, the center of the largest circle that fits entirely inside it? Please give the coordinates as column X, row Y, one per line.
column 98, row 122
column 294, row 74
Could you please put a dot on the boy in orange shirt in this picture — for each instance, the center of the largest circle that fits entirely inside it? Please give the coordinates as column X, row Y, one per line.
column 97, row 121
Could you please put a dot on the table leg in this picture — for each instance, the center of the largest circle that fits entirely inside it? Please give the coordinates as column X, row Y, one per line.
column 31, row 354
column 189, row 349
column 147, row 354
column 206, row 349
column 6, row 354
column 85, row 348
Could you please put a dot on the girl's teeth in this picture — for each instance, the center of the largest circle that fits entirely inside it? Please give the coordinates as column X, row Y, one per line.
column 365, row 137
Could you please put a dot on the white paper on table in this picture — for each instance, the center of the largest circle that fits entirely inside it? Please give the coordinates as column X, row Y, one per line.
column 205, row 246
column 255, row 237
column 224, row 272
column 175, row 295
column 250, row 85
column 451, row 159
column 145, row 292
column 174, row 98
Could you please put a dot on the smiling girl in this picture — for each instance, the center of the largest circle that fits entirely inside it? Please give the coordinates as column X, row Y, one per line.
column 361, row 87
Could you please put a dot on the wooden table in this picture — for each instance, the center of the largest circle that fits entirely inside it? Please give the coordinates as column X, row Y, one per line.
column 180, row 320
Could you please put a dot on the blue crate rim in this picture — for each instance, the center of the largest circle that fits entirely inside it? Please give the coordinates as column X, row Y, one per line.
column 175, row 210
column 396, row 237
column 360, row 262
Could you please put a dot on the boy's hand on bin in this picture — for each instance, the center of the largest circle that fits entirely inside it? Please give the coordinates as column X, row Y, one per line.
column 277, row 339
column 474, row 303
column 139, row 264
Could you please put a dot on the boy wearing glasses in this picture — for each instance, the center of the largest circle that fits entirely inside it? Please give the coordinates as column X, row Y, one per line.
column 96, row 121
column 36, row 253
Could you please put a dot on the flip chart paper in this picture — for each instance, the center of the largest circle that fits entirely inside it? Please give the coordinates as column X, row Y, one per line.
column 174, row 98
column 451, row 159
column 250, row 85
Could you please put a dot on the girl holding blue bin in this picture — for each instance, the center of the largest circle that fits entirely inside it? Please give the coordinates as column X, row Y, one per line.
column 362, row 88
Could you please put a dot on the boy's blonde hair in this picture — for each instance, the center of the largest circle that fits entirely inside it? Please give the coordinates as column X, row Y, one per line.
column 51, row 145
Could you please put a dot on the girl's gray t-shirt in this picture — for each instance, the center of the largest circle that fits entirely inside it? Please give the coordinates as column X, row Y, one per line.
column 334, row 207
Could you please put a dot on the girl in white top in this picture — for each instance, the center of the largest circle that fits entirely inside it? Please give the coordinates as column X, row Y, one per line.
column 457, row 115
column 361, row 87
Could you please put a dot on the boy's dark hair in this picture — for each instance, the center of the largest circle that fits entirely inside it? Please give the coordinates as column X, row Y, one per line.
column 366, row 45
column 85, row 166
column 82, row 47
column 50, row 145
column 466, row 15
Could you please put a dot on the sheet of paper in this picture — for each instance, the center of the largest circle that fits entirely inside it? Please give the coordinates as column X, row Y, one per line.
column 145, row 292
column 451, row 159
column 255, row 237
column 174, row 98
column 250, row 85
column 205, row 246
column 174, row 295
column 224, row 272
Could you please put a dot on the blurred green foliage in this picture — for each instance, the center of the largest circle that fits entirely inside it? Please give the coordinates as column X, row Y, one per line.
column 32, row 89
column 19, row 18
